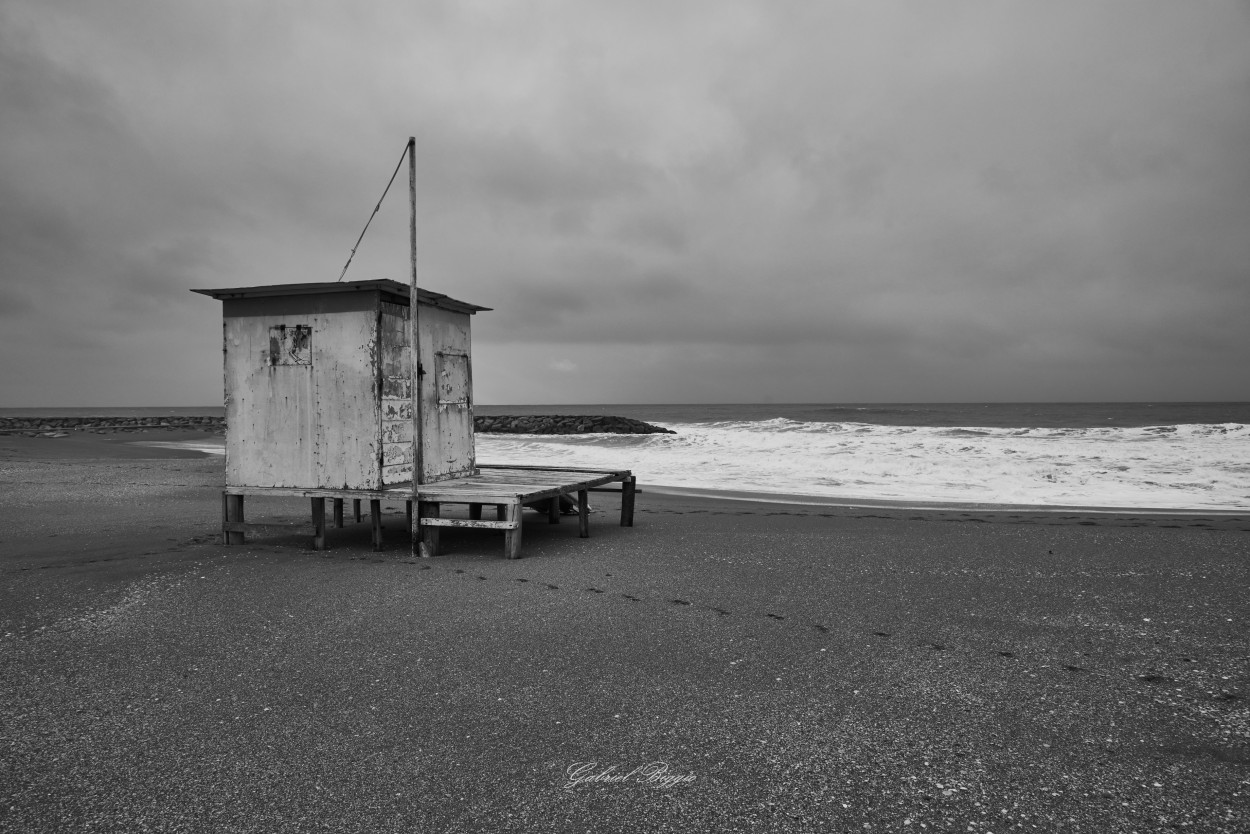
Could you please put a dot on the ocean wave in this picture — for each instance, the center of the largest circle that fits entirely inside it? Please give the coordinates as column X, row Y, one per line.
column 1187, row 466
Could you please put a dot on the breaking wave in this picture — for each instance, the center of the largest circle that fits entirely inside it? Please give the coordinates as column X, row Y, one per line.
column 1195, row 467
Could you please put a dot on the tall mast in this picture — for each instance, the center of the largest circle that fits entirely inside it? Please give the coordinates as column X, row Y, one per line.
column 414, row 337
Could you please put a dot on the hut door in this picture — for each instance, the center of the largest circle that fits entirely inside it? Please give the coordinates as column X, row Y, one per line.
column 453, row 422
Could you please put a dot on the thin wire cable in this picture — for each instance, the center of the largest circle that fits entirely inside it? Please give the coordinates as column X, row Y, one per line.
column 402, row 157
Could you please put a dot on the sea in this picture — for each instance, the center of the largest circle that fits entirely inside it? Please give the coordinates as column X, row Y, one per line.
column 1112, row 456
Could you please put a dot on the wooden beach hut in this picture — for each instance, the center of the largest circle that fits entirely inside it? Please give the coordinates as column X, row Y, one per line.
column 319, row 386
column 322, row 402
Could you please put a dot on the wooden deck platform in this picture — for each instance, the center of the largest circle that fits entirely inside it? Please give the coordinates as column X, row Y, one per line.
column 507, row 488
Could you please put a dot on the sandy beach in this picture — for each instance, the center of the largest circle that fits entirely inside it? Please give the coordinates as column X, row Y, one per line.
column 724, row 665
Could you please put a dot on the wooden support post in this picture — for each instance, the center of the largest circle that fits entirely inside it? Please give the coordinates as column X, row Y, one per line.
column 501, row 512
column 414, row 531
column 553, row 510
column 512, row 537
column 338, row 512
column 319, row 523
column 583, row 513
column 232, row 511
column 475, row 511
column 627, row 500
column 429, row 535
column 356, row 509
column 375, row 515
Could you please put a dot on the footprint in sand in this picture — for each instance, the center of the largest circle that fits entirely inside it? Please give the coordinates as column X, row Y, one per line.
column 1155, row 679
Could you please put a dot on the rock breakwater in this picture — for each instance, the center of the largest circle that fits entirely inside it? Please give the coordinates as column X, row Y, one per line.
column 564, row 424
column 32, row 426
column 502, row 424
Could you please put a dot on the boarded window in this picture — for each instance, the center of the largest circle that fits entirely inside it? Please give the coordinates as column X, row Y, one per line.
column 290, row 344
column 453, row 378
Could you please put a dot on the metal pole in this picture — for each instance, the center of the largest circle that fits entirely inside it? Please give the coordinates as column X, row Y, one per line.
column 414, row 343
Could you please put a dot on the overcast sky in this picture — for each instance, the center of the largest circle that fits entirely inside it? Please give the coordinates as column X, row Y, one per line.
column 662, row 201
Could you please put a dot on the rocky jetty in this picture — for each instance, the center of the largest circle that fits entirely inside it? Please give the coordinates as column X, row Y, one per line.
column 34, row 426
column 564, row 424
column 503, row 424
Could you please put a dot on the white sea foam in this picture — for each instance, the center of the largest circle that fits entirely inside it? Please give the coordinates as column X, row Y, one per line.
column 1199, row 467
column 208, row 447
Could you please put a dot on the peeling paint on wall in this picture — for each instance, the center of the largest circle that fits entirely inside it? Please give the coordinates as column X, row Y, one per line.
column 396, row 373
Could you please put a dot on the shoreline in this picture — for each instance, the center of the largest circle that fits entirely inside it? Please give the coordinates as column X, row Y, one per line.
column 934, row 506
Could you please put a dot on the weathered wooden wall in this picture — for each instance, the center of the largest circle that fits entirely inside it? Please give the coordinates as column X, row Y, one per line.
column 303, row 425
column 396, row 392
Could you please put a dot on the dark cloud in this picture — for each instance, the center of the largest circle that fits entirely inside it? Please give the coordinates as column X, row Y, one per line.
column 730, row 201
column 15, row 302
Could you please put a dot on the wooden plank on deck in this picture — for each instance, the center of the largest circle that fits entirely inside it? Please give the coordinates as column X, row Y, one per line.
column 469, row 522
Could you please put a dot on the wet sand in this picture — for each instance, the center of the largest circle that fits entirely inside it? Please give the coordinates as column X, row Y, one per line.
column 812, row 668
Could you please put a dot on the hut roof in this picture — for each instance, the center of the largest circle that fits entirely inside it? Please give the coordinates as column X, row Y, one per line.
column 400, row 292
